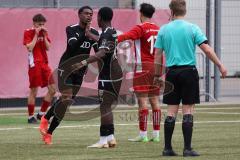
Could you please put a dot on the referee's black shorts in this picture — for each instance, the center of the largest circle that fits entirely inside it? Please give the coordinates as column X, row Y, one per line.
column 185, row 80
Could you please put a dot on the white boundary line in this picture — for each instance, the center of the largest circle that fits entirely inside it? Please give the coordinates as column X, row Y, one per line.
column 131, row 124
column 134, row 110
column 223, row 113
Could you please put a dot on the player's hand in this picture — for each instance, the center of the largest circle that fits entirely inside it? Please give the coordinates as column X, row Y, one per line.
column 44, row 30
column 89, row 34
column 125, row 45
column 37, row 30
column 158, row 81
column 223, row 70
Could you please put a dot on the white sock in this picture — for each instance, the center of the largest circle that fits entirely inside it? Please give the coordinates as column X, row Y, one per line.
column 110, row 137
column 103, row 140
column 155, row 133
column 41, row 113
column 143, row 133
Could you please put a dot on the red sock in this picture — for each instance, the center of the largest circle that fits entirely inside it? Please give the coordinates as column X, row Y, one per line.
column 156, row 116
column 44, row 106
column 143, row 116
column 31, row 108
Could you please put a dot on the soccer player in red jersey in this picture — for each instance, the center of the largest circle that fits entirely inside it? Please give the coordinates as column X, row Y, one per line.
column 144, row 36
column 37, row 43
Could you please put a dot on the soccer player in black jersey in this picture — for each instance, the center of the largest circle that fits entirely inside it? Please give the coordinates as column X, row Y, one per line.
column 80, row 39
column 110, row 77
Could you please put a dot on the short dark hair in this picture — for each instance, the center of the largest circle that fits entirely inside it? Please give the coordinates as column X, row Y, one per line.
column 178, row 7
column 147, row 10
column 106, row 14
column 84, row 7
column 39, row 18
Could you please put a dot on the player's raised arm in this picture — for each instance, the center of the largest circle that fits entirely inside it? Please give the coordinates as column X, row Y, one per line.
column 30, row 44
column 90, row 34
column 46, row 38
column 133, row 34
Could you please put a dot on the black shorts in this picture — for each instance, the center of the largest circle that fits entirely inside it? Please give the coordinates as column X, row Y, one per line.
column 185, row 80
column 72, row 81
column 109, row 88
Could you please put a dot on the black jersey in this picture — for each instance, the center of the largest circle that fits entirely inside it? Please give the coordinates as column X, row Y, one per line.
column 78, row 43
column 111, row 70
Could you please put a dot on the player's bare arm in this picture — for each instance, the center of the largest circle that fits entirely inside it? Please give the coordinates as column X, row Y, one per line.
column 45, row 34
column 101, row 53
column 133, row 34
column 213, row 57
column 89, row 34
column 158, row 62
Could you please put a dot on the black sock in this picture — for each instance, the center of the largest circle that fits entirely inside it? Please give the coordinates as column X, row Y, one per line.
column 187, row 129
column 50, row 112
column 54, row 124
column 106, row 130
column 168, row 131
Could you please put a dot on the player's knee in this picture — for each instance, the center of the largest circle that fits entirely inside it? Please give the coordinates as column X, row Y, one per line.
column 66, row 97
column 33, row 92
column 142, row 103
column 155, row 104
column 170, row 121
column 187, row 118
column 52, row 92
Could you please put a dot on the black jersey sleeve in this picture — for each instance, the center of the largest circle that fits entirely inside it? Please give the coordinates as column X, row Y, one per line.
column 95, row 44
column 73, row 37
column 107, row 40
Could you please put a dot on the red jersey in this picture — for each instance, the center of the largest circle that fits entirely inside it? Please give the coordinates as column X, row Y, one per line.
column 144, row 36
column 39, row 53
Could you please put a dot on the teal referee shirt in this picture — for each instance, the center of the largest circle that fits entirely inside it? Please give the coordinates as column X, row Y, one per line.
column 178, row 39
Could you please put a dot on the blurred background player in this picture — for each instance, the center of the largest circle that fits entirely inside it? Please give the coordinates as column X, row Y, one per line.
column 37, row 43
column 178, row 40
column 110, row 77
column 80, row 39
column 144, row 36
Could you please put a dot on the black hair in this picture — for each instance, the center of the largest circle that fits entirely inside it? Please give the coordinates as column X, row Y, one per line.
column 39, row 18
column 106, row 14
column 147, row 10
column 84, row 7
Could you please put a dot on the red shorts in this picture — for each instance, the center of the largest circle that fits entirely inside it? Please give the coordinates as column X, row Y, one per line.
column 143, row 83
column 39, row 75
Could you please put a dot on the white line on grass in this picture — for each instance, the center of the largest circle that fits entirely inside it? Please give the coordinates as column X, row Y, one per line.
column 224, row 113
column 130, row 124
column 124, row 110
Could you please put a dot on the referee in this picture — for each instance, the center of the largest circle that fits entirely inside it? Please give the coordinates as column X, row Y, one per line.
column 178, row 40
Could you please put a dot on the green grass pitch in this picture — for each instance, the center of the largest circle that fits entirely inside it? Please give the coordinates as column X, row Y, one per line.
column 216, row 137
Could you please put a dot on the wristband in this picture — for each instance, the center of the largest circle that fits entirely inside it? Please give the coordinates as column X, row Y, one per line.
column 84, row 62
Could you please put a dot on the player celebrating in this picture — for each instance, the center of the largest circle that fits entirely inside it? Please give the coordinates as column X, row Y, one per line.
column 144, row 36
column 37, row 43
column 110, row 77
column 80, row 39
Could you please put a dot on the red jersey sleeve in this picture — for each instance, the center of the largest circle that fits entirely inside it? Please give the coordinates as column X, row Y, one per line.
column 135, row 33
column 27, row 38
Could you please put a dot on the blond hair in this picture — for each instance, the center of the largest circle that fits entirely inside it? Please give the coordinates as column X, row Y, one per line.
column 178, row 7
